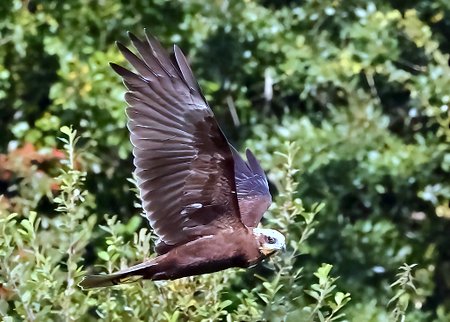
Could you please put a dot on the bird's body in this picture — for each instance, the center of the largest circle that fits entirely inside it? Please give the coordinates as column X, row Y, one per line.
column 189, row 259
column 201, row 198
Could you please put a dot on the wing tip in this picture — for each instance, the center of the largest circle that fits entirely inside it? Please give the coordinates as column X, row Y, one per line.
column 118, row 69
column 248, row 153
column 177, row 49
column 149, row 35
column 133, row 37
column 123, row 49
column 251, row 158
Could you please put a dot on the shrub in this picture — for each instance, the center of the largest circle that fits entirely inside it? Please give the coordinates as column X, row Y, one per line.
column 359, row 87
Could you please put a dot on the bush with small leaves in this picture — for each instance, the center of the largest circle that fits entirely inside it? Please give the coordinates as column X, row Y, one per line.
column 359, row 87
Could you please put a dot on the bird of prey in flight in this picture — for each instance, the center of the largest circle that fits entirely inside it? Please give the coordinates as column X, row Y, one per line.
column 201, row 198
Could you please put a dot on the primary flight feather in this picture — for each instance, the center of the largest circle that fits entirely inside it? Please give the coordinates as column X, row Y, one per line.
column 200, row 197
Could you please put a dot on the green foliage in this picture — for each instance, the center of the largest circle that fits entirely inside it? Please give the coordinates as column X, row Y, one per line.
column 401, row 299
column 40, row 256
column 41, row 276
column 361, row 88
column 322, row 291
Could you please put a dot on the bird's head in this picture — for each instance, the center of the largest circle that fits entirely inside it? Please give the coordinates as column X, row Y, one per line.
column 269, row 240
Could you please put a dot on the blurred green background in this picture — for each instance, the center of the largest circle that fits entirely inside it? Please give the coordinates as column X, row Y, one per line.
column 361, row 87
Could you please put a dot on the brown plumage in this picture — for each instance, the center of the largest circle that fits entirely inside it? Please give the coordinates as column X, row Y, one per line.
column 200, row 197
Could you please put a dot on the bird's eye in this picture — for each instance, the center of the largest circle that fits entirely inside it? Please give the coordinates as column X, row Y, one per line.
column 271, row 240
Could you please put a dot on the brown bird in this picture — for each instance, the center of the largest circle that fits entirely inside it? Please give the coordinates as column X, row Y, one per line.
column 200, row 197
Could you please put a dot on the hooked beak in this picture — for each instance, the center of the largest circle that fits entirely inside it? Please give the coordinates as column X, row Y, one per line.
column 267, row 252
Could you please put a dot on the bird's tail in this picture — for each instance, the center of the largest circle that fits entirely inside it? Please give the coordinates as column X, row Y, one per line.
column 94, row 281
column 129, row 275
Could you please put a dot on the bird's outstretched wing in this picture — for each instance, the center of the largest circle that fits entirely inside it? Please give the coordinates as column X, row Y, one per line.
column 184, row 165
column 252, row 188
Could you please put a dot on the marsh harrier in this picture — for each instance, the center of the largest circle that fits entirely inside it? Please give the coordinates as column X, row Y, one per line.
column 200, row 197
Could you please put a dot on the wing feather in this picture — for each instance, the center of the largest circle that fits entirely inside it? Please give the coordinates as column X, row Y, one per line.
column 184, row 165
column 252, row 188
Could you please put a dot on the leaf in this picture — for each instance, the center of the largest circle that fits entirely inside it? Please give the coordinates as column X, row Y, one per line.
column 26, row 297
column 3, row 307
column 175, row 316
column 338, row 297
column 225, row 304
column 103, row 255
column 313, row 294
column 28, row 226
column 66, row 130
